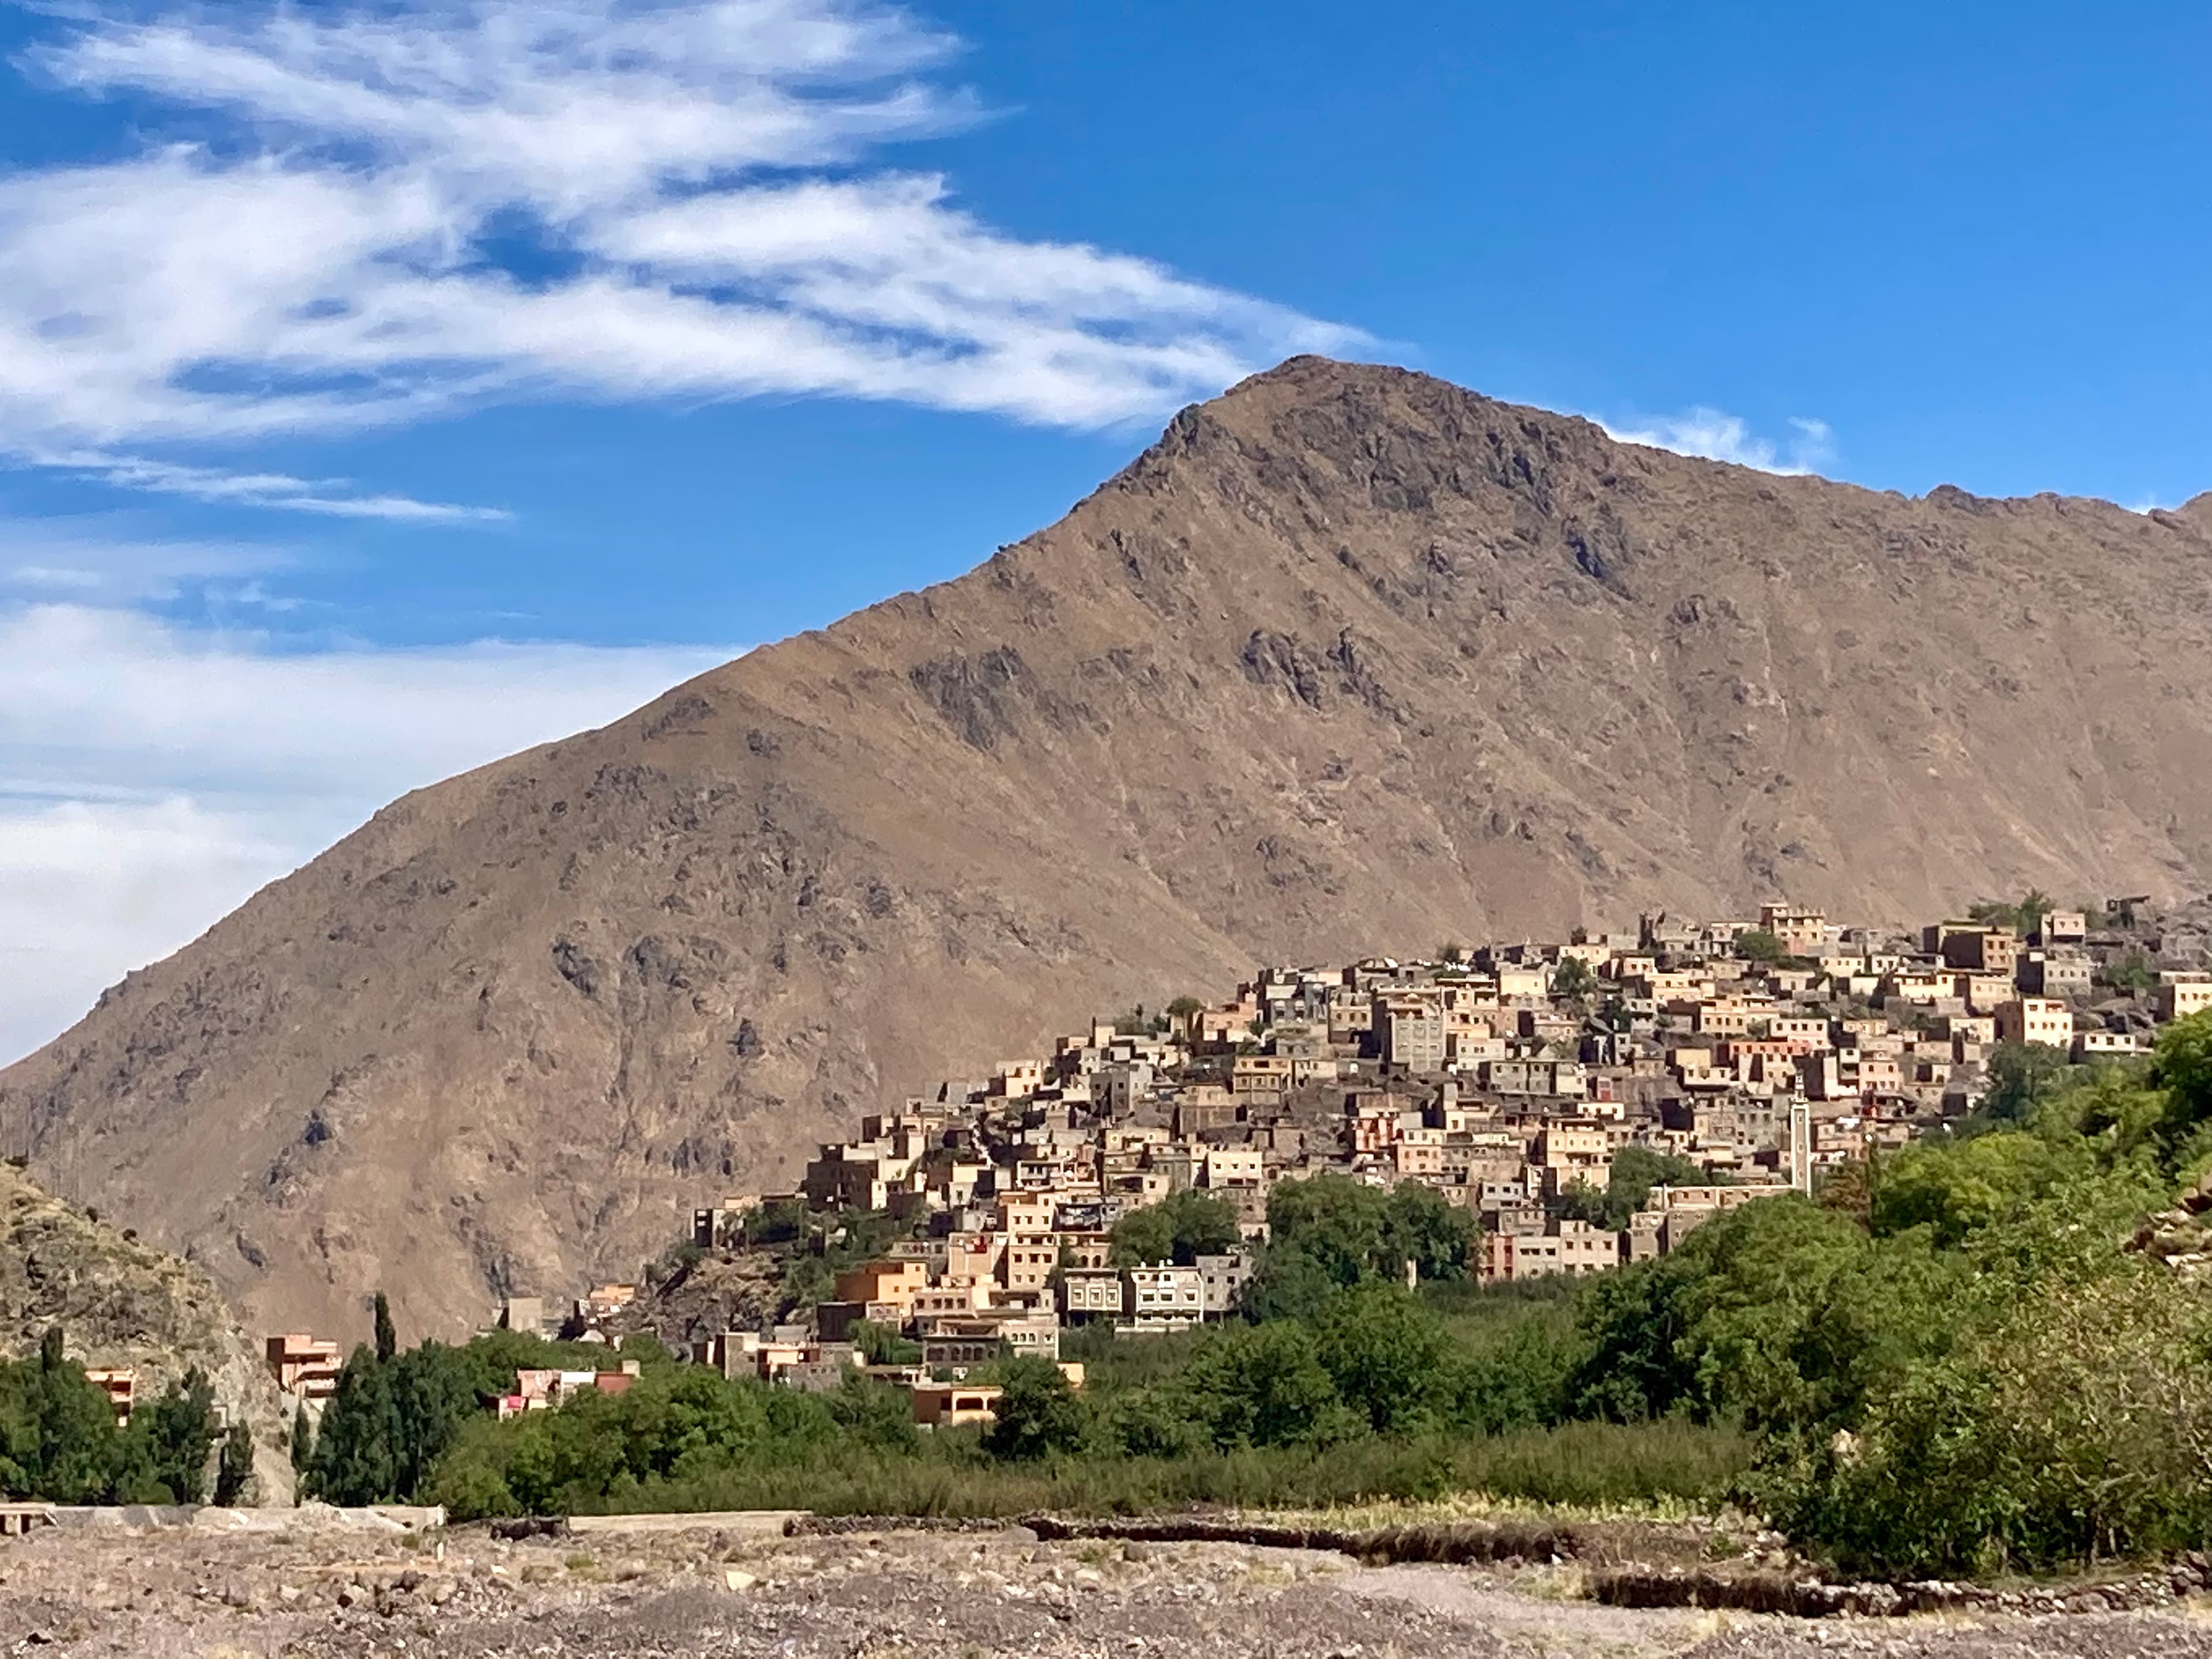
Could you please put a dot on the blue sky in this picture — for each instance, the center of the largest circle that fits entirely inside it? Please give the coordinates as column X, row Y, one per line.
column 383, row 391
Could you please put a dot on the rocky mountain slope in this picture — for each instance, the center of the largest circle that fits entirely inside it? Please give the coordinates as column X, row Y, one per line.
column 1349, row 660
column 121, row 1304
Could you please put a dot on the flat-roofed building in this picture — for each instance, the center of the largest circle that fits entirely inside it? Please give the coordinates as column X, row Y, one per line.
column 2037, row 1019
column 118, row 1384
column 1161, row 1291
column 953, row 1405
column 1089, row 1293
column 303, row 1365
column 2180, row 995
column 1221, row 1281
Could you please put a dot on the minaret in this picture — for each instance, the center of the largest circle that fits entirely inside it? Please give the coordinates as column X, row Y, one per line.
column 1801, row 1145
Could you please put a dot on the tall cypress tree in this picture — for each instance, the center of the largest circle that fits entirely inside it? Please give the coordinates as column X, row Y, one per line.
column 303, row 1442
column 388, row 1340
column 75, row 1428
column 183, row 1433
column 434, row 1395
column 354, row 1460
column 235, row 1471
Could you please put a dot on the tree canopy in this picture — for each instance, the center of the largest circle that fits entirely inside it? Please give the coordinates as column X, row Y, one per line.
column 1180, row 1228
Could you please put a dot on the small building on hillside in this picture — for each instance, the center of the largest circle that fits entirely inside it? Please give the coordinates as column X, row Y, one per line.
column 303, row 1365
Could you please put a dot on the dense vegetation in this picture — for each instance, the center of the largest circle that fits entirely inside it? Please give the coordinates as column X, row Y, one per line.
column 1635, row 1170
column 1349, row 1388
column 394, row 1416
column 59, row 1441
column 1971, row 1375
column 1948, row 1363
column 1381, row 1394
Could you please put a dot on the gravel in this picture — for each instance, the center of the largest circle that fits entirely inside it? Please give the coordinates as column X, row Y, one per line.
column 308, row 1593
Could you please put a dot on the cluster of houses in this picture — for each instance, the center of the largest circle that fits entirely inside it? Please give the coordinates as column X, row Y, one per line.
column 1759, row 1052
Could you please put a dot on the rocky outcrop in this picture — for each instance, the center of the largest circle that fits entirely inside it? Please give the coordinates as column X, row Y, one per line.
column 2181, row 1238
column 121, row 1304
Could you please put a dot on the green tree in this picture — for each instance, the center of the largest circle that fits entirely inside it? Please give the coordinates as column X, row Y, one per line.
column 387, row 1339
column 647, row 1349
column 303, row 1443
column 133, row 1472
column 1994, row 913
column 1332, row 1219
column 1848, row 1188
column 470, row 1482
column 1513, row 1372
column 881, row 1345
column 2181, row 1068
column 356, row 1460
column 1572, row 978
column 2068, row 1426
column 1036, row 1412
column 873, row 1414
column 1180, row 1228
column 73, row 1462
column 785, row 1221
column 1184, row 1011
column 433, row 1390
column 1757, row 944
column 1580, row 1202
column 19, row 1428
column 1388, row 1357
column 234, row 1470
column 1637, row 1169
column 1155, row 1422
column 1264, row 1385
column 1955, row 1191
column 1288, row 1285
column 180, row 1430
column 2132, row 975
column 1780, row 1311
column 2022, row 1076
column 1420, row 1225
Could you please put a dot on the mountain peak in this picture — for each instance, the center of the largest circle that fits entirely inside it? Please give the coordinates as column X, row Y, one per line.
column 1351, row 660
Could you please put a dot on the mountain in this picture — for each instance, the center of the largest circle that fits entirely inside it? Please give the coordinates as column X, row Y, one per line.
column 1350, row 659
column 123, row 1305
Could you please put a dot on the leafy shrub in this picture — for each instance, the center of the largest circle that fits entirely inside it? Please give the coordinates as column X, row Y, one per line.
column 1037, row 1412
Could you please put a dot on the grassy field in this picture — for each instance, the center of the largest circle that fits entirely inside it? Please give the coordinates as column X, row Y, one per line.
column 1669, row 1467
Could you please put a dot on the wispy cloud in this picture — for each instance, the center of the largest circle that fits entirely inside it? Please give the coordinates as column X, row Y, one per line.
column 331, row 497
column 1720, row 436
column 102, row 560
column 409, row 211
column 152, row 777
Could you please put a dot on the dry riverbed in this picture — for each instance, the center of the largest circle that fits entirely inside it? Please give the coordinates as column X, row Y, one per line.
column 746, row 1591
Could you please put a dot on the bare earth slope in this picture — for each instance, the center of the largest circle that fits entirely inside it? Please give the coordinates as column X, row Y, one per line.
column 1349, row 660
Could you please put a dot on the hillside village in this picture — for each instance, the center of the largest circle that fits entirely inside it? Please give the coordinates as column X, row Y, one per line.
column 1742, row 1057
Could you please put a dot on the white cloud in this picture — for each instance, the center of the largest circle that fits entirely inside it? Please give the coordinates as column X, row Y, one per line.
column 333, row 497
column 1719, row 436
column 151, row 777
column 89, row 889
column 98, row 560
column 688, row 180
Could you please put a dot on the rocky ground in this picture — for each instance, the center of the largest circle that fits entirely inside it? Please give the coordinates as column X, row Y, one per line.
column 746, row 1591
